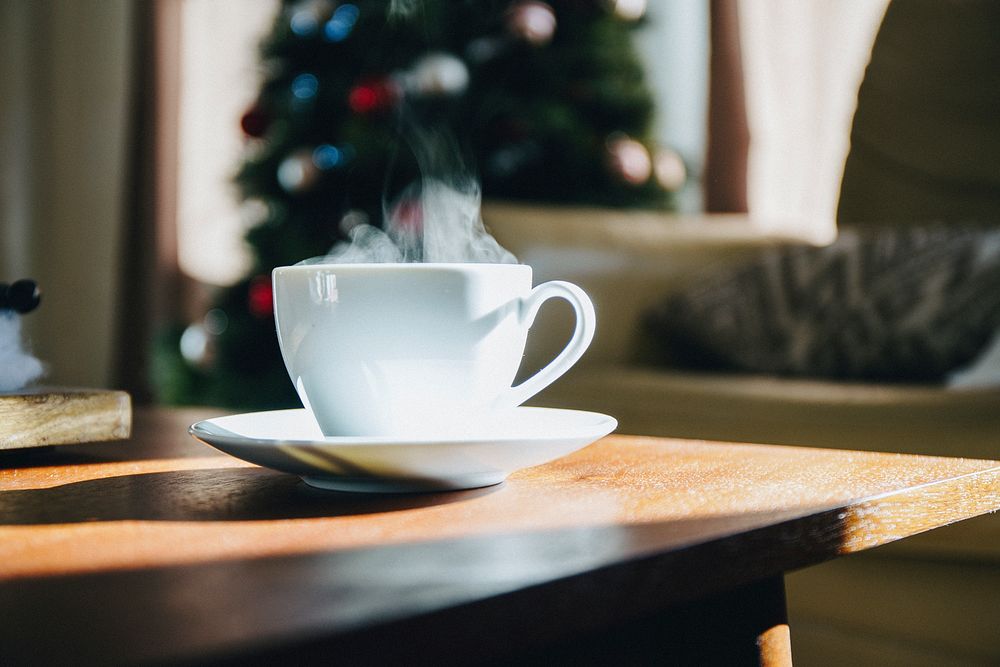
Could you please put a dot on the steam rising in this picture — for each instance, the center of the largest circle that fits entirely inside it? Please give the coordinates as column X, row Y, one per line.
column 403, row 8
column 436, row 219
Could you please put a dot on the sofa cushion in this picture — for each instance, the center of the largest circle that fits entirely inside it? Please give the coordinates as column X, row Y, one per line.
column 881, row 303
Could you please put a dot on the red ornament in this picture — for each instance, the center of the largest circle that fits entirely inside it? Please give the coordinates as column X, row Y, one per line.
column 255, row 121
column 260, row 297
column 373, row 96
column 407, row 216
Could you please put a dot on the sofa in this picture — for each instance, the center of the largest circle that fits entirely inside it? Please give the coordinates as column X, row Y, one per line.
column 928, row 600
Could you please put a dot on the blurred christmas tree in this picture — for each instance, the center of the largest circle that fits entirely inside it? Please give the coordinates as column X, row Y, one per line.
column 547, row 102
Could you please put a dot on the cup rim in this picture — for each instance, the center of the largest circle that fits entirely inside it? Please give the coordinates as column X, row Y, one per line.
column 401, row 266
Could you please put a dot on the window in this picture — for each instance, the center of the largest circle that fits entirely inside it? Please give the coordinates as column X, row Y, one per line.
column 218, row 80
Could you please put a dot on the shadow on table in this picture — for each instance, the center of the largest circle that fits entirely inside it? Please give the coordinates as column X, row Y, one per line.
column 584, row 595
column 222, row 494
column 40, row 457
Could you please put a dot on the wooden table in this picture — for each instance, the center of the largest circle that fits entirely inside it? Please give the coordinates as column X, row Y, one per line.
column 633, row 550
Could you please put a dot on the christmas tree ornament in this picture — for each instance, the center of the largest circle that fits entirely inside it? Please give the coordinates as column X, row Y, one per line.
column 340, row 25
column 198, row 343
column 374, row 95
column 407, row 216
column 629, row 10
column 215, row 321
column 628, row 159
column 298, row 172
column 260, row 297
column 669, row 169
column 532, row 21
column 305, row 17
column 327, row 156
column 21, row 296
column 255, row 121
column 305, row 86
column 438, row 74
column 197, row 346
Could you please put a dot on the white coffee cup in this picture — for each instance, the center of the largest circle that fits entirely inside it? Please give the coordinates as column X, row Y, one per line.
column 410, row 349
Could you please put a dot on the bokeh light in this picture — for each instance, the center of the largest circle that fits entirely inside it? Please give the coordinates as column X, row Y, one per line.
column 341, row 23
column 669, row 169
column 297, row 172
column 439, row 73
column 630, row 10
column 532, row 21
column 215, row 321
column 629, row 159
column 304, row 23
column 374, row 95
column 327, row 156
column 305, row 86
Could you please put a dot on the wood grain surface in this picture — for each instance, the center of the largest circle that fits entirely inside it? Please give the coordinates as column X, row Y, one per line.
column 44, row 416
column 222, row 557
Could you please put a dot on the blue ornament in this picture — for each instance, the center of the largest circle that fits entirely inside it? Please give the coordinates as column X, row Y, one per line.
column 339, row 27
column 327, row 156
column 306, row 16
column 304, row 86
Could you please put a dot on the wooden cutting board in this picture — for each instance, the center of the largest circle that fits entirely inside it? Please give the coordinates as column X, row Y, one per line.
column 46, row 416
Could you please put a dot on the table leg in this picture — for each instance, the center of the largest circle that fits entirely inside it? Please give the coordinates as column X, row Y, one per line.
column 744, row 626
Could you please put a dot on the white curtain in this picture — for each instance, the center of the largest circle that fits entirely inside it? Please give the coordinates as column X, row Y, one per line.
column 64, row 109
column 803, row 62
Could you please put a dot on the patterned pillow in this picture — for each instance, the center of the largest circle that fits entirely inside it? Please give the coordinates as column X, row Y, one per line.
column 895, row 304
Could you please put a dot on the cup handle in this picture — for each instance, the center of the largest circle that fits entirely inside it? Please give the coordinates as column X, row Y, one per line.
column 586, row 323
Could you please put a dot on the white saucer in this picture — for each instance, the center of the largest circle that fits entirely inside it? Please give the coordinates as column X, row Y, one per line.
column 290, row 441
